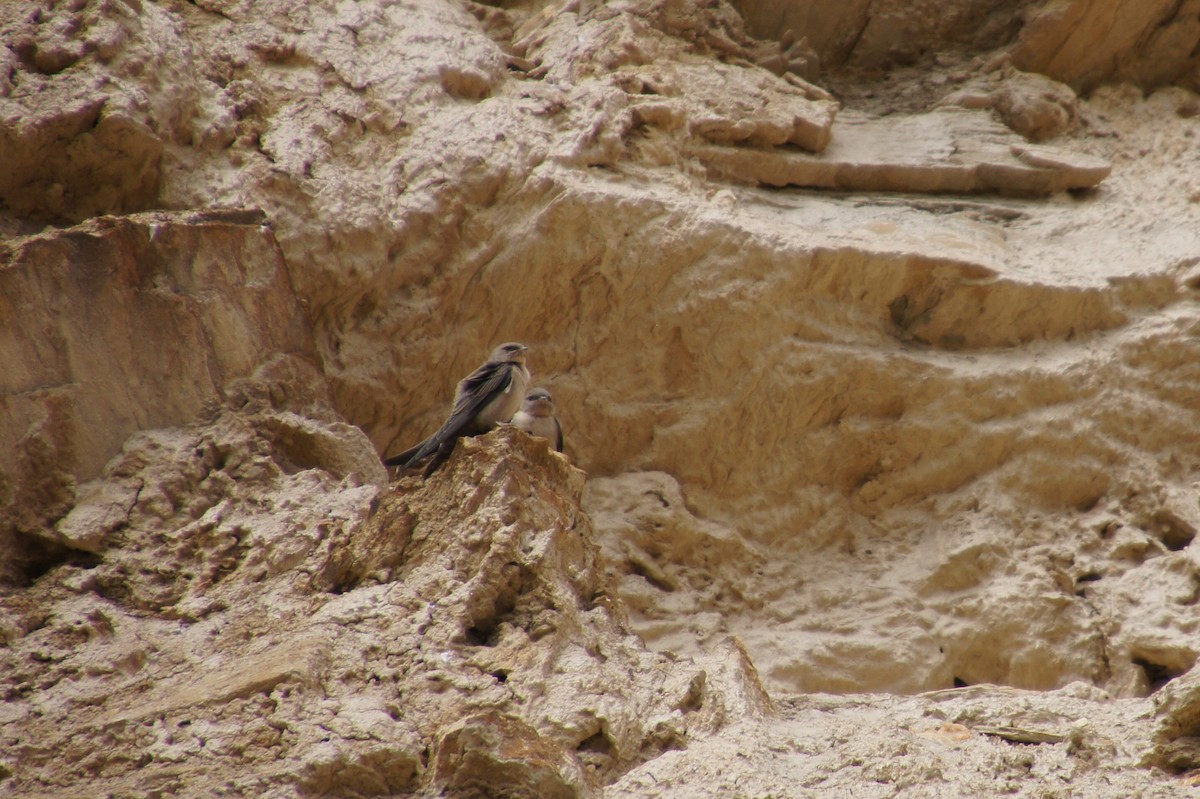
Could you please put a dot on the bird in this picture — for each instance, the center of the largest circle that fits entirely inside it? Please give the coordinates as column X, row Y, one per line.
column 485, row 398
column 539, row 418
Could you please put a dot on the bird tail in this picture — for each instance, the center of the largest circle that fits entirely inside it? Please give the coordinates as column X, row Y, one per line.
column 409, row 457
column 434, row 444
column 440, row 456
column 404, row 457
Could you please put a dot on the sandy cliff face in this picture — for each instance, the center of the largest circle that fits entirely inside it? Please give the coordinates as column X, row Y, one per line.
column 1081, row 42
column 883, row 381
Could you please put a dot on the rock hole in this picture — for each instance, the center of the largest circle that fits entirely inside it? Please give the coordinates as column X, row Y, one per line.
column 478, row 636
column 1086, row 577
column 501, row 675
column 1174, row 532
column 960, row 682
column 486, row 631
column 1157, row 674
column 597, row 752
column 31, row 557
column 597, row 744
column 466, row 84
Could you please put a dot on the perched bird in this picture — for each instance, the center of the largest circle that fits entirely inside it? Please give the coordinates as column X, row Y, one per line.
column 485, row 398
column 539, row 418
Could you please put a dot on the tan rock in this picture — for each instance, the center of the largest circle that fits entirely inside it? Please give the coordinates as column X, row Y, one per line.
column 363, row 765
column 837, row 440
column 1036, row 107
column 491, row 753
column 256, row 641
column 127, row 323
column 728, row 104
column 788, row 56
column 102, row 87
column 1083, row 43
column 945, row 151
column 251, row 673
column 1177, row 717
column 1080, row 42
column 1032, row 105
column 98, row 511
column 845, row 745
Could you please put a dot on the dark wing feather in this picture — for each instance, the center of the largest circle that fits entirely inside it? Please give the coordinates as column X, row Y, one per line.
column 397, row 460
column 558, row 442
column 478, row 389
column 475, row 391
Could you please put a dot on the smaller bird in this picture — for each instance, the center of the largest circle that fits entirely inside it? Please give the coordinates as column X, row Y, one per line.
column 539, row 418
column 485, row 398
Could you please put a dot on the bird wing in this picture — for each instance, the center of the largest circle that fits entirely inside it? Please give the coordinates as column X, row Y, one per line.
column 475, row 391
column 558, row 441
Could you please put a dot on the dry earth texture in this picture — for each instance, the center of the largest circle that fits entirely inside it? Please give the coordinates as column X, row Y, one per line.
column 875, row 331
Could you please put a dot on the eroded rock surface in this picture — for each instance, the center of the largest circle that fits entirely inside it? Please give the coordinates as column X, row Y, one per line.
column 846, row 428
column 1080, row 42
column 984, row 741
column 92, row 94
column 122, row 324
column 960, row 152
column 261, row 615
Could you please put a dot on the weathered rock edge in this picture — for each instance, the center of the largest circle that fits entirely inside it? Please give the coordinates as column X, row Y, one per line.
column 127, row 323
column 261, row 620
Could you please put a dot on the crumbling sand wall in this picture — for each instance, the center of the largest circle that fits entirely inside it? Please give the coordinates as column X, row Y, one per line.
column 884, row 379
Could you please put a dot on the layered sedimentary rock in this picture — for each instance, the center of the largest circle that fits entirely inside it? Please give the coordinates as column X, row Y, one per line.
column 123, row 324
column 893, row 380
column 263, row 619
column 1081, row 42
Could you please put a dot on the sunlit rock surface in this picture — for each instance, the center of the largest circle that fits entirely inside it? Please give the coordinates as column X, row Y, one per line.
column 874, row 332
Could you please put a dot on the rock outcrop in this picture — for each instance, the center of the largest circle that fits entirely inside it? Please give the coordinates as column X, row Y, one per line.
column 261, row 614
column 1080, row 42
column 123, row 324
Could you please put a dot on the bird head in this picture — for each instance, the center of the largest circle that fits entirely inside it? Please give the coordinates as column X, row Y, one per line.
column 512, row 352
column 538, row 402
